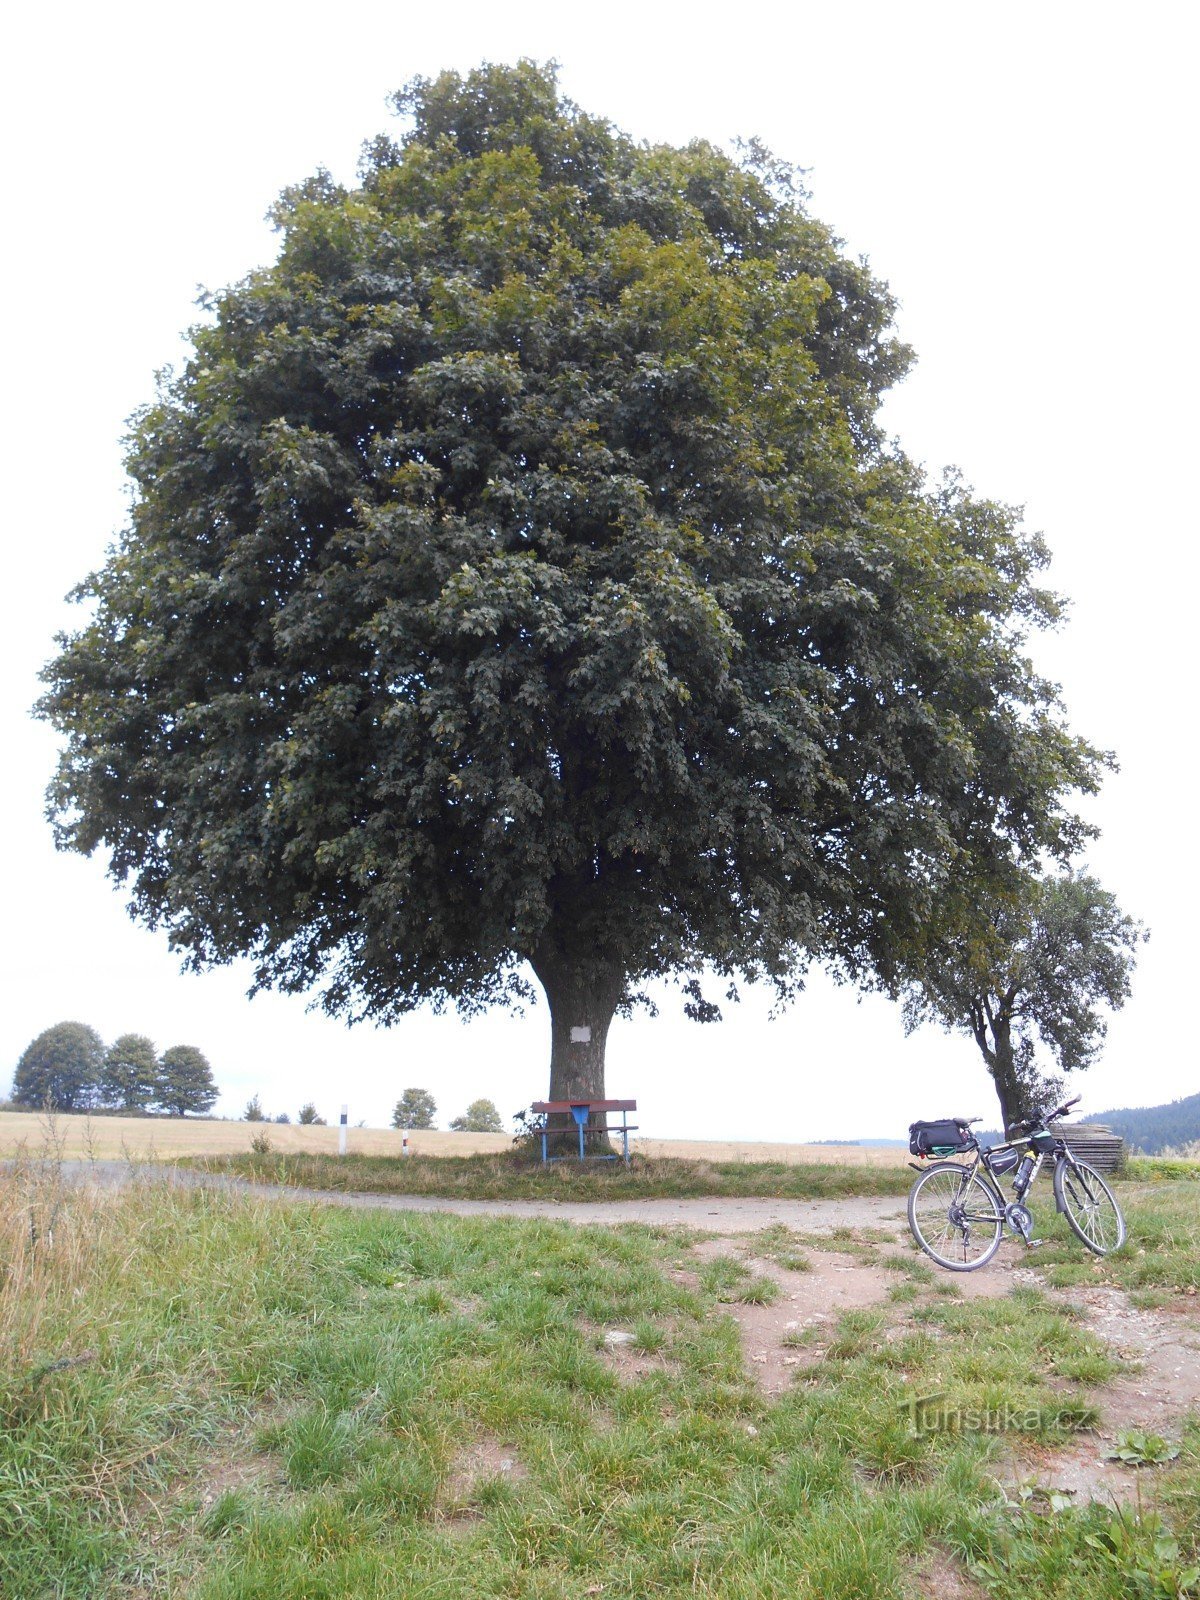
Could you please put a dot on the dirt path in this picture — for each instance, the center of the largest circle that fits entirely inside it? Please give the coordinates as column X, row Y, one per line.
column 716, row 1215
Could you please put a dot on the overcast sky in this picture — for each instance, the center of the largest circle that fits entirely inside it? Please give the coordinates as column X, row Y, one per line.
column 1018, row 173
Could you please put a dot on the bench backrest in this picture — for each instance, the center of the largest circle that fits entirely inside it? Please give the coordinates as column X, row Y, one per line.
column 546, row 1107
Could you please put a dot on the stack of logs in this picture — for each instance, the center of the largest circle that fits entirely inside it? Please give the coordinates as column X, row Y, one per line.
column 1099, row 1146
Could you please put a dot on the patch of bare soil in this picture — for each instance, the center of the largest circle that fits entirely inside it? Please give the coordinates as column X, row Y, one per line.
column 1162, row 1387
column 485, row 1459
column 938, row 1576
column 254, row 1472
column 624, row 1358
column 810, row 1303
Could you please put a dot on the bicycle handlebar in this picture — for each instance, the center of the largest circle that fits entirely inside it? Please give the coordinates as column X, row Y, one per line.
column 1045, row 1117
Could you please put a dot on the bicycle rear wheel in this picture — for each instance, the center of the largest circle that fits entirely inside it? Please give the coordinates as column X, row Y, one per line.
column 954, row 1217
column 1089, row 1206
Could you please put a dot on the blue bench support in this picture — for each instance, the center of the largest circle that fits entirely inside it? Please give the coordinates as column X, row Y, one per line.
column 582, row 1111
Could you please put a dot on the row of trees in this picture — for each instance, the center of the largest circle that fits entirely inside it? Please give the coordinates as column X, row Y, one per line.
column 416, row 1108
column 68, row 1068
column 307, row 1116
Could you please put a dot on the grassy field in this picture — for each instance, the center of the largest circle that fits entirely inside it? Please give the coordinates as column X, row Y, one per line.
column 164, row 1138
column 512, row 1176
column 217, row 1397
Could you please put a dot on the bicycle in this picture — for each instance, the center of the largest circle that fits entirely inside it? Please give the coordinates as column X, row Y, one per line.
column 957, row 1211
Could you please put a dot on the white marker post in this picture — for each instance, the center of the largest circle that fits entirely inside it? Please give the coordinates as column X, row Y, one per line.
column 342, row 1131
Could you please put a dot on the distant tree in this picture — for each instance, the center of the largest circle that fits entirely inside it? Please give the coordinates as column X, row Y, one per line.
column 308, row 1116
column 283, row 1117
column 416, row 1108
column 185, row 1081
column 1032, row 982
column 62, row 1068
column 254, row 1111
column 480, row 1116
column 131, row 1076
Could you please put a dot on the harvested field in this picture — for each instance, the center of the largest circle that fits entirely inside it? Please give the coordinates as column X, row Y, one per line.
column 150, row 1138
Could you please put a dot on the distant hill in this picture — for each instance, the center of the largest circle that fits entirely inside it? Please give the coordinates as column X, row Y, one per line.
column 1152, row 1129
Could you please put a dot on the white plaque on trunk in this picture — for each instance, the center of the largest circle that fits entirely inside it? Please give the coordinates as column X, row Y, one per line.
column 581, row 1036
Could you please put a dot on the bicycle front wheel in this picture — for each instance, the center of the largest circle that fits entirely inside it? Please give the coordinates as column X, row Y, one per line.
column 1089, row 1206
column 954, row 1217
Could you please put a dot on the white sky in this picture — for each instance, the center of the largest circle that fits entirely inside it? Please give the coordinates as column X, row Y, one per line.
column 1019, row 173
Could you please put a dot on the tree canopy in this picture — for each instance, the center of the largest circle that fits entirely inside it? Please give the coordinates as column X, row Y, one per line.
column 61, row 1068
column 131, row 1075
column 517, row 576
column 481, row 1116
column 1032, row 981
column 185, row 1081
column 416, row 1108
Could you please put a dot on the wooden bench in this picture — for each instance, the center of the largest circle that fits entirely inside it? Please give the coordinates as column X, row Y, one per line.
column 583, row 1112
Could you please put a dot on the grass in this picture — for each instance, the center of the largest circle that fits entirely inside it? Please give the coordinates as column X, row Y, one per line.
column 222, row 1397
column 512, row 1175
column 1160, row 1263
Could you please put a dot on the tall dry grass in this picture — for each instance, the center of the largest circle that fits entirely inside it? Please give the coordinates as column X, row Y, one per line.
column 50, row 1232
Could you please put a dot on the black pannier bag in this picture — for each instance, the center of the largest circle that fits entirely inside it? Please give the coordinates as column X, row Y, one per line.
column 938, row 1138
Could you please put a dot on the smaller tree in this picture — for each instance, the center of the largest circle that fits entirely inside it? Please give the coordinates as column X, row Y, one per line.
column 1032, row 983
column 416, row 1108
column 185, row 1081
column 61, row 1068
column 254, row 1111
column 308, row 1116
column 130, row 1078
column 282, row 1118
column 480, row 1116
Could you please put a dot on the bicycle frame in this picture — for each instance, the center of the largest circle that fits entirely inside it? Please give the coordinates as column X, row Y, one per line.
column 980, row 1167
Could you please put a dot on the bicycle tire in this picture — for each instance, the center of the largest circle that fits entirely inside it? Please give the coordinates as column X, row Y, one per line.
column 1090, row 1207
column 930, row 1195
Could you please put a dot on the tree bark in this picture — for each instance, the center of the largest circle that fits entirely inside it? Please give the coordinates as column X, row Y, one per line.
column 1005, row 1075
column 582, row 998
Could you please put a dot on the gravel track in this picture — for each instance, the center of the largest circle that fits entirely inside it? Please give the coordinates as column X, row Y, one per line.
column 716, row 1215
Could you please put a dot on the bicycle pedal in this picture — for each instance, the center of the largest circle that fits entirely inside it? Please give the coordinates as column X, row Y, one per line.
column 1034, row 1244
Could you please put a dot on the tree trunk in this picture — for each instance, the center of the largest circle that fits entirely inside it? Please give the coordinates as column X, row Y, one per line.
column 1005, row 1076
column 582, row 1000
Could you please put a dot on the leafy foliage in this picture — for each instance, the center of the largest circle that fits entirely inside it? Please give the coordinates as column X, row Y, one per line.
column 61, row 1068
column 131, row 1073
column 416, row 1108
column 1137, row 1448
column 517, row 573
column 185, row 1081
column 480, row 1116
column 254, row 1111
column 1032, row 982
column 309, row 1116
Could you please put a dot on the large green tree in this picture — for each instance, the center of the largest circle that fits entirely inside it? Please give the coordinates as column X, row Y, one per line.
column 185, row 1081
column 416, row 1108
column 517, row 578
column 1032, row 980
column 61, row 1068
column 131, row 1072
